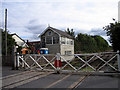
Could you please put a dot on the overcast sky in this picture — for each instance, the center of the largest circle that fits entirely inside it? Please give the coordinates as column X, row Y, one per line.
column 28, row 18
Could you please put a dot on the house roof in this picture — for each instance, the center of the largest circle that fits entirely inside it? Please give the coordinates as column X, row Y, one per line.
column 32, row 43
column 36, row 42
column 60, row 32
column 18, row 36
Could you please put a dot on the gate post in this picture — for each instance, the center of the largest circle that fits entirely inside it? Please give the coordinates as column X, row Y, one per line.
column 18, row 63
column 58, row 63
column 23, row 65
column 118, row 52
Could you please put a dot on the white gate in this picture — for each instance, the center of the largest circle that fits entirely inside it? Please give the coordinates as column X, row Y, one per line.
column 101, row 62
column 36, row 61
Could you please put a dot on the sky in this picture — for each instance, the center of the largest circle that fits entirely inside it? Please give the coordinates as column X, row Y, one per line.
column 29, row 18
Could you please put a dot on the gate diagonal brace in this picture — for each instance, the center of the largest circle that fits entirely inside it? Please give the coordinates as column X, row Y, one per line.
column 36, row 62
column 106, row 63
column 48, row 62
column 86, row 63
column 24, row 61
column 68, row 63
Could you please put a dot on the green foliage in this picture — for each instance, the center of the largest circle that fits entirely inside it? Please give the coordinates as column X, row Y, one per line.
column 88, row 43
column 113, row 30
column 10, row 43
column 102, row 44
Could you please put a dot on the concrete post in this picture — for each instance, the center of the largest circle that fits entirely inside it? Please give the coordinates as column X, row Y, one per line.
column 14, row 61
column 118, row 53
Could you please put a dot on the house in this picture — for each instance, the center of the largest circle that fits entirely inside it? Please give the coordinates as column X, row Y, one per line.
column 57, row 41
column 33, row 43
column 19, row 41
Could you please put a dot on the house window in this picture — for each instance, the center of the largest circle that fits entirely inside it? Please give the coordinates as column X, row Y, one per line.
column 48, row 40
column 68, row 52
column 67, row 42
column 55, row 40
column 71, row 42
column 49, row 33
column 62, row 40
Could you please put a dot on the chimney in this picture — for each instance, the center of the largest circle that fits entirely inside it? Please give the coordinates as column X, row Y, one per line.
column 27, row 41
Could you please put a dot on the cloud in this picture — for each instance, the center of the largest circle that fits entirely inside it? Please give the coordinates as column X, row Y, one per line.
column 97, row 31
column 33, row 16
column 35, row 28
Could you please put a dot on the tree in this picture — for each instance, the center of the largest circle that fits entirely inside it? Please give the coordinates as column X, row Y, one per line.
column 70, row 32
column 102, row 44
column 10, row 43
column 88, row 43
column 113, row 30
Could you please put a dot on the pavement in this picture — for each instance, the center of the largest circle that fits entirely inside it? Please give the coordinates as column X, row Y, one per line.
column 7, row 70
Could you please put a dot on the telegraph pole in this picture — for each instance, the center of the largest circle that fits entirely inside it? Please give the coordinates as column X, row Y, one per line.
column 6, row 32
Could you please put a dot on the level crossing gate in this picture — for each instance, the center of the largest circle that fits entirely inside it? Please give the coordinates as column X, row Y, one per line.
column 94, row 62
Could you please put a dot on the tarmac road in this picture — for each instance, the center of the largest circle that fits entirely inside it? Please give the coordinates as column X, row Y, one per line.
column 65, row 81
column 52, row 81
column 100, row 82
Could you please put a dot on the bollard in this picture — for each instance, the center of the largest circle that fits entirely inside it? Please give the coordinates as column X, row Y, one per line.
column 118, row 52
column 58, row 63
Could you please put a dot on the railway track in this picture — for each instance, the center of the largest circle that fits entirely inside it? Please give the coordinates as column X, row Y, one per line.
column 76, row 82
column 15, row 80
column 24, row 78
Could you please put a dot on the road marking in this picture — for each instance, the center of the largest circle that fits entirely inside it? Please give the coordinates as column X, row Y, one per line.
column 58, row 81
